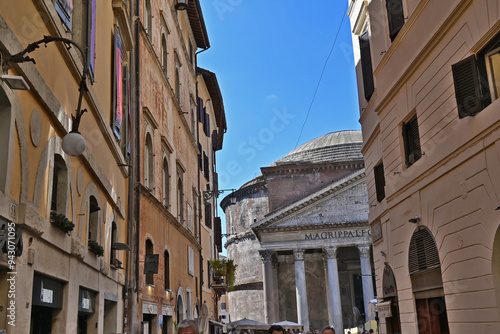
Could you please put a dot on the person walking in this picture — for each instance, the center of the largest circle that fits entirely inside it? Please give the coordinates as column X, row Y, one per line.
column 275, row 329
column 328, row 330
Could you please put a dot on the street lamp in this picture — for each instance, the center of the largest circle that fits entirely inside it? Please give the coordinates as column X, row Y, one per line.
column 73, row 143
column 181, row 4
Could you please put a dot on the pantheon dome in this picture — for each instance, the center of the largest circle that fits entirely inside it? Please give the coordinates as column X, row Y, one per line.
column 334, row 146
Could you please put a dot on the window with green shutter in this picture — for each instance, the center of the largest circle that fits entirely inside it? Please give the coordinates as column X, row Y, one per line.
column 378, row 171
column 395, row 16
column 366, row 65
column 411, row 139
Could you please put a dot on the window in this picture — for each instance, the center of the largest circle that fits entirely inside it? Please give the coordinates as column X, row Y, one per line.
column 83, row 27
column 378, row 171
column 206, row 166
column 423, row 253
column 411, row 141
column 121, row 112
column 93, row 215
column 223, row 308
column 177, row 79
column 59, row 185
column 6, row 138
column 190, row 261
column 166, row 269
column 148, row 19
column 395, row 16
column 148, row 163
column 180, row 203
column 366, row 65
column 164, row 56
column 112, row 257
column 166, row 183
column 476, row 79
column 208, row 215
column 65, row 9
column 149, row 251
column 191, row 53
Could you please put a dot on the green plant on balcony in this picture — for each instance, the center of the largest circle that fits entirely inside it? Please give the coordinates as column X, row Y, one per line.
column 223, row 271
column 61, row 221
column 96, row 248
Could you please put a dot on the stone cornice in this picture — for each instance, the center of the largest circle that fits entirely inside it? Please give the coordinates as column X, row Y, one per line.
column 243, row 192
column 295, row 168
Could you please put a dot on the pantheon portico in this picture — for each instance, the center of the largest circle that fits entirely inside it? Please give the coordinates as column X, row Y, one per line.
column 306, row 219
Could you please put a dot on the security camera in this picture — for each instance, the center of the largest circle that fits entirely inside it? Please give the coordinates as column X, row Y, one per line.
column 415, row 219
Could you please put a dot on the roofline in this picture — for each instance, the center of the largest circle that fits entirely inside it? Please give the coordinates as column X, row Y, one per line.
column 197, row 23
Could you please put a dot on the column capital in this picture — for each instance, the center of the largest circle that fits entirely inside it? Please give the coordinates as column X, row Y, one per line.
column 364, row 250
column 298, row 254
column 330, row 252
column 266, row 255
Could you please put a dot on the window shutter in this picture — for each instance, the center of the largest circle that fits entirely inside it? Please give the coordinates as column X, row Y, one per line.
column 379, row 181
column 201, row 116
column 218, row 233
column 200, row 158
column 366, row 65
column 411, row 139
column 423, row 253
column 215, row 141
column 395, row 16
column 467, row 91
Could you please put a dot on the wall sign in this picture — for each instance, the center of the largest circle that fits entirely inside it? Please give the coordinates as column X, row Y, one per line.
column 341, row 234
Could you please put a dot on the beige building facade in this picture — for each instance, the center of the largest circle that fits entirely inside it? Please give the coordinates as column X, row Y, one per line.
column 63, row 218
column 428, row 92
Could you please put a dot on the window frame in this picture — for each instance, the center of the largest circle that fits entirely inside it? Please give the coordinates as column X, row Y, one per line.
column 411, row 146
column 379, row 177
column 366, row 65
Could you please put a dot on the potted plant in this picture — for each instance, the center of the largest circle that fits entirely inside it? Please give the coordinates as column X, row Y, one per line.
column 61, row 221
column 223, row 271
column 96, row 248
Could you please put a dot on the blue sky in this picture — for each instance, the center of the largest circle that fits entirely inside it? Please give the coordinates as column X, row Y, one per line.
column 268, row 57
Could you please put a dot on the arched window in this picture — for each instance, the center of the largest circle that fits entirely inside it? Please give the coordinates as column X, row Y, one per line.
column 180, row 309
column 148, row 19
column 164, row 56
column 166, row 269
column 166, row 183
column 180, row 202
column 59, row 185
column 93, row 219
column 149, row 251
column 148, row 163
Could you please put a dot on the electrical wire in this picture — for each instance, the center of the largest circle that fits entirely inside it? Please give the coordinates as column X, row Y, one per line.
column 321, row 76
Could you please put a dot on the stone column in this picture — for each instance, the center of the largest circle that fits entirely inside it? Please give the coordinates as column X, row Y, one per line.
column 366, row 276
column 269, row 279
column 300, row 288
column 334, row 289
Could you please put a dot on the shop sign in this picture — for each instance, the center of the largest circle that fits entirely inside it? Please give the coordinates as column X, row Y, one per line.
column 384, row 309
column 151, row 263
column 47, row 292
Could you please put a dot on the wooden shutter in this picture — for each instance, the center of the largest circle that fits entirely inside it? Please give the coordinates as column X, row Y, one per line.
column 467, row 91
column 366, row 65
column 379, row 181
column 201, row 115
column 423, row 253
column 411, row 139
column 395, row 16
column 218, row 233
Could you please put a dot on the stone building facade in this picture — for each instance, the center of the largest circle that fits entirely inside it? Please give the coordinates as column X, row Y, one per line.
column 306, row 218
column 429, row 100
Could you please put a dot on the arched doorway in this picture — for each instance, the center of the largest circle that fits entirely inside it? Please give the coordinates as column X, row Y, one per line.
column 389, row 308
column 427, row 284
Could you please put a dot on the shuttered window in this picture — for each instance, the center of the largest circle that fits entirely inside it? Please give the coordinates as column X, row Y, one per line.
column 379, row 181
column 411, row 139
column 423, row 252
column 218, row 233
column 395, row 16
column 467, row 88
column 366, row 65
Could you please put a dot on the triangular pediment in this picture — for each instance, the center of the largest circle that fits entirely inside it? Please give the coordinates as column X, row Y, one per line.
column 342, row 202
